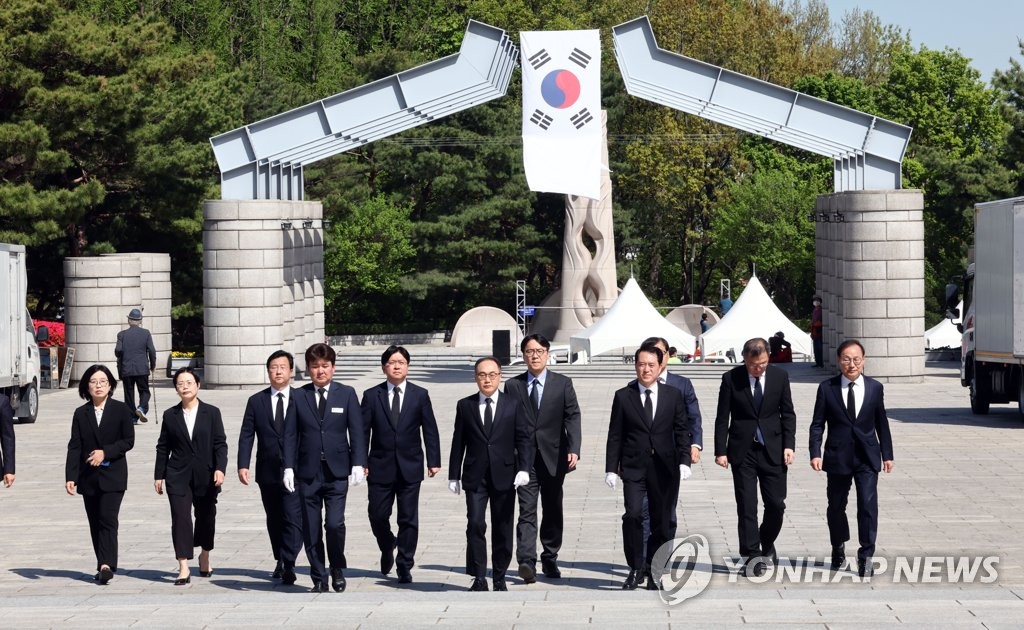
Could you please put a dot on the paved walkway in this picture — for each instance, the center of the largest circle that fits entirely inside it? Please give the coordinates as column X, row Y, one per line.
column 956, row 491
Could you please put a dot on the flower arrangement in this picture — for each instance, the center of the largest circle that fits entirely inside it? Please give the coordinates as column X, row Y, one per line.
column 56, row 330
column 183, row 354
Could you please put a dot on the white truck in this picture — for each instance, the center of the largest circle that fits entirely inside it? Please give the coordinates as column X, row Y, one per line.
column 992, row 346
column 19, row 352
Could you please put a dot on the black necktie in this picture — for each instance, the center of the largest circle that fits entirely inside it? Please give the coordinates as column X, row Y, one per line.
column 488, row 416
column 321, row 403
column 535, row 395
column 648, row 407
column 279, row 414
column 851, row 404
column 396, row 405
column 758, row 399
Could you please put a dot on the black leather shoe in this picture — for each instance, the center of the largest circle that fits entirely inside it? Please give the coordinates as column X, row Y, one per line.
column 387, row 560
column 182, row 581
column 499, row 585
column 479, row 584
column 838, row 556
column 651, row 584
column 528, row 572
column 632, row 580
column 865, row 568
column 105, row 575
column 277, row 571
column 337, row 580
column 551, row 570
column 319, row 587
column 288, row 576
column 404, row 577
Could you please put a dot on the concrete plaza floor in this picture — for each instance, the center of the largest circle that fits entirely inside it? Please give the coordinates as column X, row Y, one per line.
column 955, row 491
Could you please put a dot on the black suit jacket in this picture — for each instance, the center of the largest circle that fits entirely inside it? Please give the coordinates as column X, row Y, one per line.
column 396, row 450
column 258, row 426
column 507, row 450
column 340, row 437
column 6, row 435
column 777, row 418
column 684, row 385
column 135, row 352
column 115, row 435
column 868, row 439
column 633, row 441
column 557, row 427
column 187, row 464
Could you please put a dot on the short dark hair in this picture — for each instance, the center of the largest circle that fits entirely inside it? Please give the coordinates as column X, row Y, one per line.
column 851, row 342
column 703, row 316
column 185, row 370
column 488, row 358
column 754, row 347
column 318, row 352
column 277, row 354
column 83, row 385
column 392, row 349
column 649, row 347
column 651, row 341
column 539, row 338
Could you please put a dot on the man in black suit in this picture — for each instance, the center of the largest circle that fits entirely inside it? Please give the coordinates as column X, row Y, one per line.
column 858, row 446
column 7, row 440
column 136, row 360
column 395, row 414
column 759, row 442
column 325, row 449
column 649, row 445
column 492, row 441
column 266, row 414
column 549, row 401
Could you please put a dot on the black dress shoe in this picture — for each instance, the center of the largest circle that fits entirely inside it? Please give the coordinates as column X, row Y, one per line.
column 499, row 585
column 404, row 577
column 319, row 587
column 288, row 576
column 865, row 568
column 277, row 571
column 632, row 580
column 551, row 569
column 182, row 581
column 651, row 584
column 105, row 575
column 528, row 572
column 838, row 557
column 337, row 580
column 479, row 584
column 387, row 560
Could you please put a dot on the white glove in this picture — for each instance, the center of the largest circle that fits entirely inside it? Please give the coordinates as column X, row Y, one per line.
column 611, row 479
column 684, row 472
column 357, row 476
column 522, row 478
column 289, row 480
column 454, row 486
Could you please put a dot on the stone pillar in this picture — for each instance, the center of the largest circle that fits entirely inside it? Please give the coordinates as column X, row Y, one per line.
column 155, row 285
column 98, row 293
column 870, row 273
column 248, row 263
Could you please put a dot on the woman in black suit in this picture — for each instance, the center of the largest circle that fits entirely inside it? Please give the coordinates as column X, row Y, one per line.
column 102, row 431
column 191, row 457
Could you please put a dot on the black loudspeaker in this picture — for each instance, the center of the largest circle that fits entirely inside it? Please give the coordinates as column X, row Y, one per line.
column 501, row 342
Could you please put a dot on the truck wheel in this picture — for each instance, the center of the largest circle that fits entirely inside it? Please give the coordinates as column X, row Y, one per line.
column 979, row 398
column 30, row 396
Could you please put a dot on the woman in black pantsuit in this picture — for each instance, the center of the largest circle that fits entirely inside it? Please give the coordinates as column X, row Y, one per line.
column 102, row 431
column 191, row 457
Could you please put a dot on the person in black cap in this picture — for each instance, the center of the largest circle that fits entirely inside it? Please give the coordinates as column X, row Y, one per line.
column 134, row 347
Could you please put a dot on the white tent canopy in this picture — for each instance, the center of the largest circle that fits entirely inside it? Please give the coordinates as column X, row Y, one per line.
column 629, row 321
column 944, row 334
column 753, row 315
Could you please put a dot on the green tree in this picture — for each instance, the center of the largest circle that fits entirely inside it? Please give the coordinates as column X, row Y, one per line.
column 1009, row 86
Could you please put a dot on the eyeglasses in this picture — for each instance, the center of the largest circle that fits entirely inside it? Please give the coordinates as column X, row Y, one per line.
column 184, row 384
column 851, row 360
column 99, row 383
column 396, row 363
column 534, row 352
column 486, row 376
column 758, row 366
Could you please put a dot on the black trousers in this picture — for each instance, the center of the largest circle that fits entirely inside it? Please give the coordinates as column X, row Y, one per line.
column 503, row 507
column 130, row 383
column 756, row 470
column 184, row 536
column 659, row 485
column 284, row 521
column 382, row 497
column 548, row 488
column 323, row 507
column 102, row 510
column 838, row 491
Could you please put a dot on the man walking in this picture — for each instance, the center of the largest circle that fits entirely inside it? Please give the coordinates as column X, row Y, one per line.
column 858, row 446
column 136, row 360
column 395, row 414
column 267, row 412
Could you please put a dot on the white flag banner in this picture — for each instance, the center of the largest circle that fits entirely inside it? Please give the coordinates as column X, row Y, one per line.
column 562, row 111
